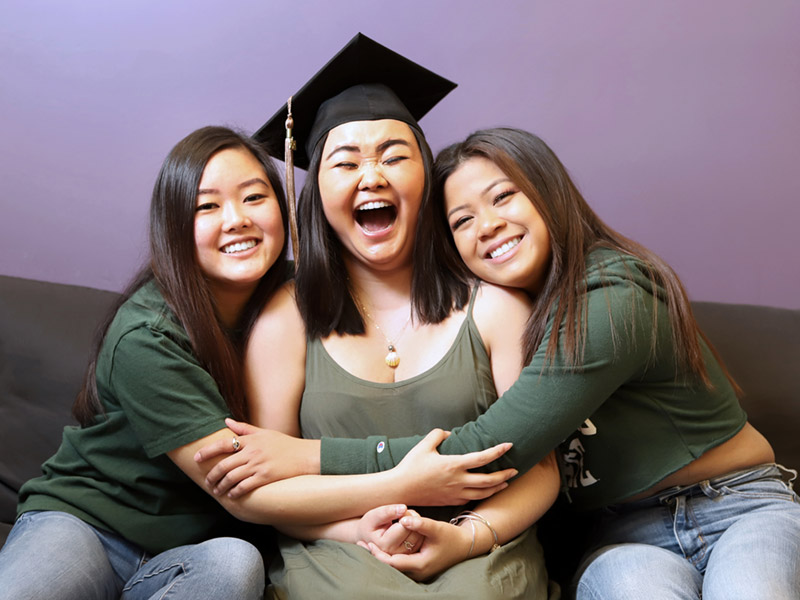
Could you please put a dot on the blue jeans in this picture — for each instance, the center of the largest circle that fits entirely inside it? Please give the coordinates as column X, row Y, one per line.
column 51, row 554
column 734, row 536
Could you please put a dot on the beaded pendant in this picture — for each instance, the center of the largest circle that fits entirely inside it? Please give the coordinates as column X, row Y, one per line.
column 392, row 359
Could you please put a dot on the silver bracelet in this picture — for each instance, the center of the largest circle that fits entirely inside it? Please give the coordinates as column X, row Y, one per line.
column 471, row 516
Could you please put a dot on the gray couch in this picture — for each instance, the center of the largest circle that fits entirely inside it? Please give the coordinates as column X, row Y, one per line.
column 46, row 330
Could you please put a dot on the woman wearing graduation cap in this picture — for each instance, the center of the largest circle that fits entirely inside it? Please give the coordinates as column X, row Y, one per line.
column 372, row 325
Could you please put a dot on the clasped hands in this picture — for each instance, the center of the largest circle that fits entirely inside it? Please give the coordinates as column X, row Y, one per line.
column 413, row 544
column 417, row 546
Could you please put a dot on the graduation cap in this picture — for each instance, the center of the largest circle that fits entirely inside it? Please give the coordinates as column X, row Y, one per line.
column 365, row 81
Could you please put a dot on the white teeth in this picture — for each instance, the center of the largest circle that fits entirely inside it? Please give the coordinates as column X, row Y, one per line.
column 239, row 247
column 505, row 248
column 373, row 205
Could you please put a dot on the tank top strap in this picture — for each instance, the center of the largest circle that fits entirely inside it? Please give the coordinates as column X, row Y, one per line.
column 472, row 296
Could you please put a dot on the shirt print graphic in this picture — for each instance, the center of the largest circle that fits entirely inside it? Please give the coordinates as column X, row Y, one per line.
column 573, row 458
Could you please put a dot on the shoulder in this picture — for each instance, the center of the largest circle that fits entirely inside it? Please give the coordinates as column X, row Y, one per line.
column 491, row 299
column 606, row 268
column 499, row 311
column 623, row 299
column 143, row 317
column 279, row 317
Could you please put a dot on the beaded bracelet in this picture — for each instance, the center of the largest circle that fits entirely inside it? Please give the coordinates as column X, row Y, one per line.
column 471, row 516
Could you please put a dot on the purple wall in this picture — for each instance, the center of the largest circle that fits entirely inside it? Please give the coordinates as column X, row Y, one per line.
column 680, row 120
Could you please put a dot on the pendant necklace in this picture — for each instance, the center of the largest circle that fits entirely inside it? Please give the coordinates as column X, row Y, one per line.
column 392, row 359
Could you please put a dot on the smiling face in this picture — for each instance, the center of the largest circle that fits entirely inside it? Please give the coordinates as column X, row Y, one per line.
column 498, row 232
column 371, row 180
column 238, row 230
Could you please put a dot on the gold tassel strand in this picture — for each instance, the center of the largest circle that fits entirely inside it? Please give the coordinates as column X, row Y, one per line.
column 289, row 147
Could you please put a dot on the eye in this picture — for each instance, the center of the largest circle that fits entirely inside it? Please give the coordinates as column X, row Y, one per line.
column 459, row 222
column 345, row 164
column 206, row 206
column 393, row 160
column 255, row 197
column 503, row 195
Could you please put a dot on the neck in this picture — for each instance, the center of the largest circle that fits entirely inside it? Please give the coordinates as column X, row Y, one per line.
column 230, row 304
column 382, row 290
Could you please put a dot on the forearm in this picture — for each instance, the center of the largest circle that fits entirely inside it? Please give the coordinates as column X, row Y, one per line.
column 516, row 508
column 340, row 531
column 315, row 499
column 545, row 404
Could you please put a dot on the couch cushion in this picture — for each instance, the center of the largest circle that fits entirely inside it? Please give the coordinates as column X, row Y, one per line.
column 760, row 346
column 45, row 334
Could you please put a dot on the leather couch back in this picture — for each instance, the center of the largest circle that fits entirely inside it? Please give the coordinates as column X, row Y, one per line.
column 46, row 331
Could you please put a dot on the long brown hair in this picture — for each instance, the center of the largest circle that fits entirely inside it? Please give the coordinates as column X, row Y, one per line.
column 173, row 266
column 575, row 230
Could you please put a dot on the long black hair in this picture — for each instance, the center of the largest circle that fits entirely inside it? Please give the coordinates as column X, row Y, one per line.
column 324, row 297
column 173, row 266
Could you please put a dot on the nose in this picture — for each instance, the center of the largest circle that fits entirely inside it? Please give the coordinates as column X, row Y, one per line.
column 234, row 216
column 371, row 176
column 489, row 223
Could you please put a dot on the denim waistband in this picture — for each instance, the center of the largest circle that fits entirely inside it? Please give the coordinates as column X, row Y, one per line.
column 766, row 471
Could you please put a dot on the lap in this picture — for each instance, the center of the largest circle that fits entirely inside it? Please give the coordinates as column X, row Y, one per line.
column 740, row 534
column 48, row 547
column 338, row 570
column 216, row 568
column 54, row 554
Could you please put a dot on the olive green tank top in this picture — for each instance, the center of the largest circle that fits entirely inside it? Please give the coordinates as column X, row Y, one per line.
column 457, row 389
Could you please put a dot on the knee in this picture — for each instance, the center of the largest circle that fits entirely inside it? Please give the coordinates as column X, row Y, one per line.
column 635, row 571
column 235, row 564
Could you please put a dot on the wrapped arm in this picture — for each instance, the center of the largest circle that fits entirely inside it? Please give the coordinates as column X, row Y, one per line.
column 545, row 404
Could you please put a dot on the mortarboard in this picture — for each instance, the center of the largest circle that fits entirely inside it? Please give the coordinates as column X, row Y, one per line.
column 365, row 81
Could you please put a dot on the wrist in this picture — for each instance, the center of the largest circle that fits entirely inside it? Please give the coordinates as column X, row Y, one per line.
column 311, row 452
column 484, row 536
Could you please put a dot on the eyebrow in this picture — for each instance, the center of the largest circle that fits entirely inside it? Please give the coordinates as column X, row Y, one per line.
column 484, row 191
column 380, row 148
column 241, row 186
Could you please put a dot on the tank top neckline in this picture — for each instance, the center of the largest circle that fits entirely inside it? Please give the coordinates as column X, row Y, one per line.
column 465, row 326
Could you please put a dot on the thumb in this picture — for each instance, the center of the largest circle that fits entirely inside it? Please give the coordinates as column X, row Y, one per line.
column 385, row 514
column 434, row 438
column 240, row 428
column 419, row 524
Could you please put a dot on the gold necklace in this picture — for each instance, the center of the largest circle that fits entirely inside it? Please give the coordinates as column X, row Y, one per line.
column 392, row 359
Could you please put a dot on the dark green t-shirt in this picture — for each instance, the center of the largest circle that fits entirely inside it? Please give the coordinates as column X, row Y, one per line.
column 115, row 474
column 624, row 421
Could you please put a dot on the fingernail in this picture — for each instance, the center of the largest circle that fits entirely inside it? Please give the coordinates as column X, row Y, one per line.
column 405, row 521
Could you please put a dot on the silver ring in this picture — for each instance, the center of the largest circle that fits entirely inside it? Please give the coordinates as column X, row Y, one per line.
column 408, row 545
column 236, row 445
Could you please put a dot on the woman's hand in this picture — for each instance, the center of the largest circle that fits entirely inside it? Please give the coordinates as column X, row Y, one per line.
column 432, row 479
column 443, row 546
column 264, row 456
column 380, row 527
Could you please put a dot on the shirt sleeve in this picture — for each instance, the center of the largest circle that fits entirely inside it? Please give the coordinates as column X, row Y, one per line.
column 548, row 402
column 169, row 399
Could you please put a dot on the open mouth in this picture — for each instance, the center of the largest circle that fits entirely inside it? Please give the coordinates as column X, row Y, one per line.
column 239, row 247
column 377, row 216
column 507, row 247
